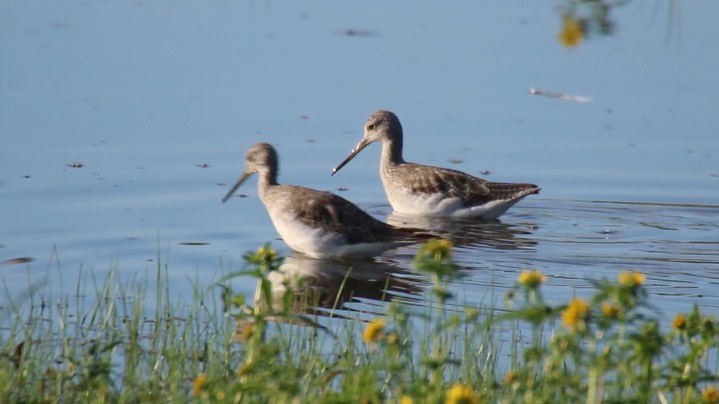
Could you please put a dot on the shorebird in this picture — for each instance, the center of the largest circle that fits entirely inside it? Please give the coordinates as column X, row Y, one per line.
column 316, row 223
column 418, row 189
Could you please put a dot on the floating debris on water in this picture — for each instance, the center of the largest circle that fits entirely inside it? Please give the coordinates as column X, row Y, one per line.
column 18, row 260
column 76, row 164
column 357, row 32
column 560, row 96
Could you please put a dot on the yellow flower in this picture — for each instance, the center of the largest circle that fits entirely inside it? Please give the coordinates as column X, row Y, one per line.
column 531, row 279
column 406, row 400
column 510, row 377
column 374, row 331
column 266, row 254
column 680, row 322
column 632, row 278
column 438, row 249
column 574, row 315
column 610, row 310
column 198, row 386
column 710, row 395
column 571, row 34
column 460, row 394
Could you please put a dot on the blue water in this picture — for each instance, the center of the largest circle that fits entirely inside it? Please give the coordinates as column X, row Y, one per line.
column 159, row 101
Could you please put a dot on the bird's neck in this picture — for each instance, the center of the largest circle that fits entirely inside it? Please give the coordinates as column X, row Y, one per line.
column 267, row 179
column 392, row 152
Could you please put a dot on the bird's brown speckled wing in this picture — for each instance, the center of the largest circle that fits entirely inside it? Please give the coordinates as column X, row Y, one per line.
column 472, row 191
column 507, row 190
column 332, row 212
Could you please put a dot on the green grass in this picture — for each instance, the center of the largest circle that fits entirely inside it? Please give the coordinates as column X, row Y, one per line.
column 117, row 347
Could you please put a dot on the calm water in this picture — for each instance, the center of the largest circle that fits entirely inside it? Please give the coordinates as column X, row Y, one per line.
column 158, row 102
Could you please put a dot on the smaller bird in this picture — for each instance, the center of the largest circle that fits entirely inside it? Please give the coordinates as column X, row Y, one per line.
column 316, row 223
column 417, row 189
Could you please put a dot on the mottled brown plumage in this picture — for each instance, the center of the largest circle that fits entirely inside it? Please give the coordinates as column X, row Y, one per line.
column 333, row 213
column 472, row 191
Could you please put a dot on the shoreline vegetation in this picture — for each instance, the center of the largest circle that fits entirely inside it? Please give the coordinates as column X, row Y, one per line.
column 115, row 346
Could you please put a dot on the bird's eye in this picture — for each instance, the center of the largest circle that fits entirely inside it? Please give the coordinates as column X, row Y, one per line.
column 370, row 126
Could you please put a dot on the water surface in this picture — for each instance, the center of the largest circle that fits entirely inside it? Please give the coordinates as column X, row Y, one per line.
column 158, row 102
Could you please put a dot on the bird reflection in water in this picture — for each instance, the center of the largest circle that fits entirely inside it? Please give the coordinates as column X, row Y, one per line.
column 471, row 232
column 321, row 287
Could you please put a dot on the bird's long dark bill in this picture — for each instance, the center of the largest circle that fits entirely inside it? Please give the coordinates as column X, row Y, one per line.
column 361, row 145
column 237, row 185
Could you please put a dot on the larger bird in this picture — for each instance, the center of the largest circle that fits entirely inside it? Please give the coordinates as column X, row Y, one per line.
column 418, row 189
column 317, row 223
